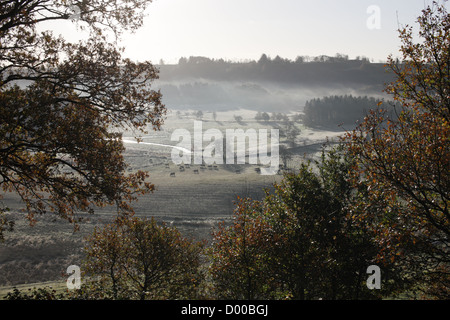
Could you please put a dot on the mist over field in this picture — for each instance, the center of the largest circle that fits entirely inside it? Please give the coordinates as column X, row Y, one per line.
column 267, row 84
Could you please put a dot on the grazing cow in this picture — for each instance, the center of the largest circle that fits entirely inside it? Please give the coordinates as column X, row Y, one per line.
column 172, row 174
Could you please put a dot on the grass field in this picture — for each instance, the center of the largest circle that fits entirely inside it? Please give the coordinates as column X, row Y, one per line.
column 193, row 202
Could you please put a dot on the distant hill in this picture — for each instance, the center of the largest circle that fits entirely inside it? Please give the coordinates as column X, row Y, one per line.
column 314, row 71
column 202, row 83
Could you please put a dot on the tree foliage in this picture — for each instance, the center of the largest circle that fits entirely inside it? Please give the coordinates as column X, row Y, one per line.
column 60, row 103
column 44, row 293
column 337, row 110
column 405, row 161
column 238, row 254
column 141, row 259
column 297, row 243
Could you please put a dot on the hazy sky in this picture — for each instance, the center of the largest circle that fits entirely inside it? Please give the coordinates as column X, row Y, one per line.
column 244, row 29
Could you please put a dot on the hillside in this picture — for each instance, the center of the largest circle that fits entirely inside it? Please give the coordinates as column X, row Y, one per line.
column 205, row 84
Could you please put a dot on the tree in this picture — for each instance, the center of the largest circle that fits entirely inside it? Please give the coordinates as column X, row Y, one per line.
column 263, row 59
column 298, row 242
column 62, row 105
column 403, row 161
column 265, row 117
column 300, row 59
column 238, row 269
column 321, row 254
column 285, row 155
column 238, row 119
column 141, row 259
column 291, row 131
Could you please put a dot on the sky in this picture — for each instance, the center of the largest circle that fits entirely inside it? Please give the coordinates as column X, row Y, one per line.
column 245, row 29
column 240, row 30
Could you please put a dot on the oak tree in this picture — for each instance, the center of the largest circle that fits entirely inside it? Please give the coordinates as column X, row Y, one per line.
column 63, row 105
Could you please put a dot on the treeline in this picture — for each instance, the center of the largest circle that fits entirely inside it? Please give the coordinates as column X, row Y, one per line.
column 306, row 70
column 336, row 110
